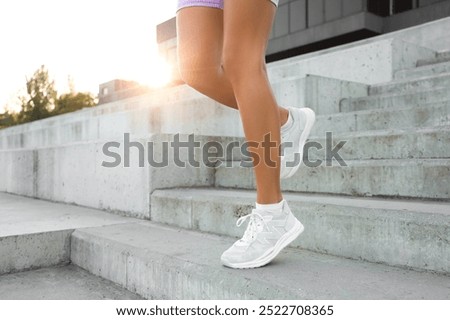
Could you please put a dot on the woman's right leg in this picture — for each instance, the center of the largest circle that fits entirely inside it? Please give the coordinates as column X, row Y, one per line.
column 199, row 46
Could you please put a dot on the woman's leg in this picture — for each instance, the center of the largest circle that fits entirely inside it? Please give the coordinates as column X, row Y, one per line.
column 200, row 43
column 247, row 26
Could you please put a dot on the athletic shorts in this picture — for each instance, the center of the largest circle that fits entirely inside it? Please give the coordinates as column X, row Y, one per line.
column 208, row 3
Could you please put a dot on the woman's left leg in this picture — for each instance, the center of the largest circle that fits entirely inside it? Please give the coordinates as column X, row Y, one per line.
column 247, row 26
column 272, row 226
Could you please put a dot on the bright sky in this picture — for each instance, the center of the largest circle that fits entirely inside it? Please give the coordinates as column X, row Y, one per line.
column 93, row 41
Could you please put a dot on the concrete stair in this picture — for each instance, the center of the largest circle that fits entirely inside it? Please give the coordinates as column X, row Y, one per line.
column 161, row 262
column 408, row 178
column 413, row 234
column 439, row 57
column 414, row 99
column 432, row 115
column 407, row 85
column 377, row 222
column 424, row 71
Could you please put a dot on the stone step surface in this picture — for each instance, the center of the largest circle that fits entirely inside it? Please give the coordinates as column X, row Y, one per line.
column 382, row 144
column 366, row 62
column 417, row 99
column 423, row 71
column 408, row 233
column 36, row 233
column 68, row 282
column 411, row 85
column 411, row 178
column 161, row 262
column 408, row 143
column 439, row 58
column 431, row 115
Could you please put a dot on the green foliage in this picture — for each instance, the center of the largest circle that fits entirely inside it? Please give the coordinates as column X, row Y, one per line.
column 42, row 101
column 70, row 102
column 7, row 119
column 40, row 98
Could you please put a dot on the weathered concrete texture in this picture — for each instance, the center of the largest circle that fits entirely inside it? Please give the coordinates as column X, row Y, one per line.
column 424, row 71
column 410, row 85
column 402, row 233
column 386, row 144
column 426, row 116
column 367, row 61
column 443, row 56
column 33, row 251
column 183, row 110
column 166, row 263
column 36, row 233
column 77, row 173
column 22, row 216
column 412, row 99
column 319, row 93
column 60, row 283
column 417, row 178
column 140, row 116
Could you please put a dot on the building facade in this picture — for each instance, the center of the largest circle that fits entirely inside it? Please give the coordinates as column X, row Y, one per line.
column 303, row 26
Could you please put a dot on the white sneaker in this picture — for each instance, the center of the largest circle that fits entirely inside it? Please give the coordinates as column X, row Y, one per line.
column 266, row 235
column 302, row 121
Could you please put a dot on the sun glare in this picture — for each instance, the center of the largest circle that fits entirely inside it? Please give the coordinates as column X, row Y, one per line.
column 156, row 73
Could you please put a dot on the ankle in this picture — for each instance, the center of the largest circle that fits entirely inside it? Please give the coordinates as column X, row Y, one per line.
column 284, row 115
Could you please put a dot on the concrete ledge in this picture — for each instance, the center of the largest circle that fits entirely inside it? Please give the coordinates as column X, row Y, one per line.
column 421, row 143
column 403, row 233
column 367, row 62
column 414, row 178
column 439, row 58
column 75, row 173
column 60, row 283
column 165, row 263
column 427, row 115
column 424, row 71
column 402, row 100
column 36, row 234
column 411, row 85
column 32, row 251
column 316, row 92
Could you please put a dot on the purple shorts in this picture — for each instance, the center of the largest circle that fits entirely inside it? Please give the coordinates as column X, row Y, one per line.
column 207, row 3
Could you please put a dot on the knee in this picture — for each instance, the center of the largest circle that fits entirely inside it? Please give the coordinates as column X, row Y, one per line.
column 197, row 74
column 241, row 65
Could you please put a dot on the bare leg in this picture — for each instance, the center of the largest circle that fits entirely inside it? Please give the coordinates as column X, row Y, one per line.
column 247, row 26
column 200, row 43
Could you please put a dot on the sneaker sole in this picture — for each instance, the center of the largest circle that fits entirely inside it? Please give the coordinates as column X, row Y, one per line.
column 268, row 256
column 310, row 120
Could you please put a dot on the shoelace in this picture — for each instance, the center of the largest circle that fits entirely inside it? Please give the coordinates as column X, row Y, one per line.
column 252, row 228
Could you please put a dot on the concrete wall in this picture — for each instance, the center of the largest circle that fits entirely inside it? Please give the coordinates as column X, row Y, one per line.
column 59, row 158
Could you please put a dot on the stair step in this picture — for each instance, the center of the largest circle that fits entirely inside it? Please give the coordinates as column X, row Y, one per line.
column 161, row 262
column 385, row 144
column 423, row 71
column 375, row 230
column 431, row 115
column 440, row 57
column 411, row 85
column 394, row 101
column 36, row 234
column 410, row 143
column 415, row 178
column 68, row 282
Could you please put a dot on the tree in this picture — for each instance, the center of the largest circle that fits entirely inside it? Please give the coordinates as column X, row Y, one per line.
column 7, row 119
column 72, row 101
column 40, row 99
